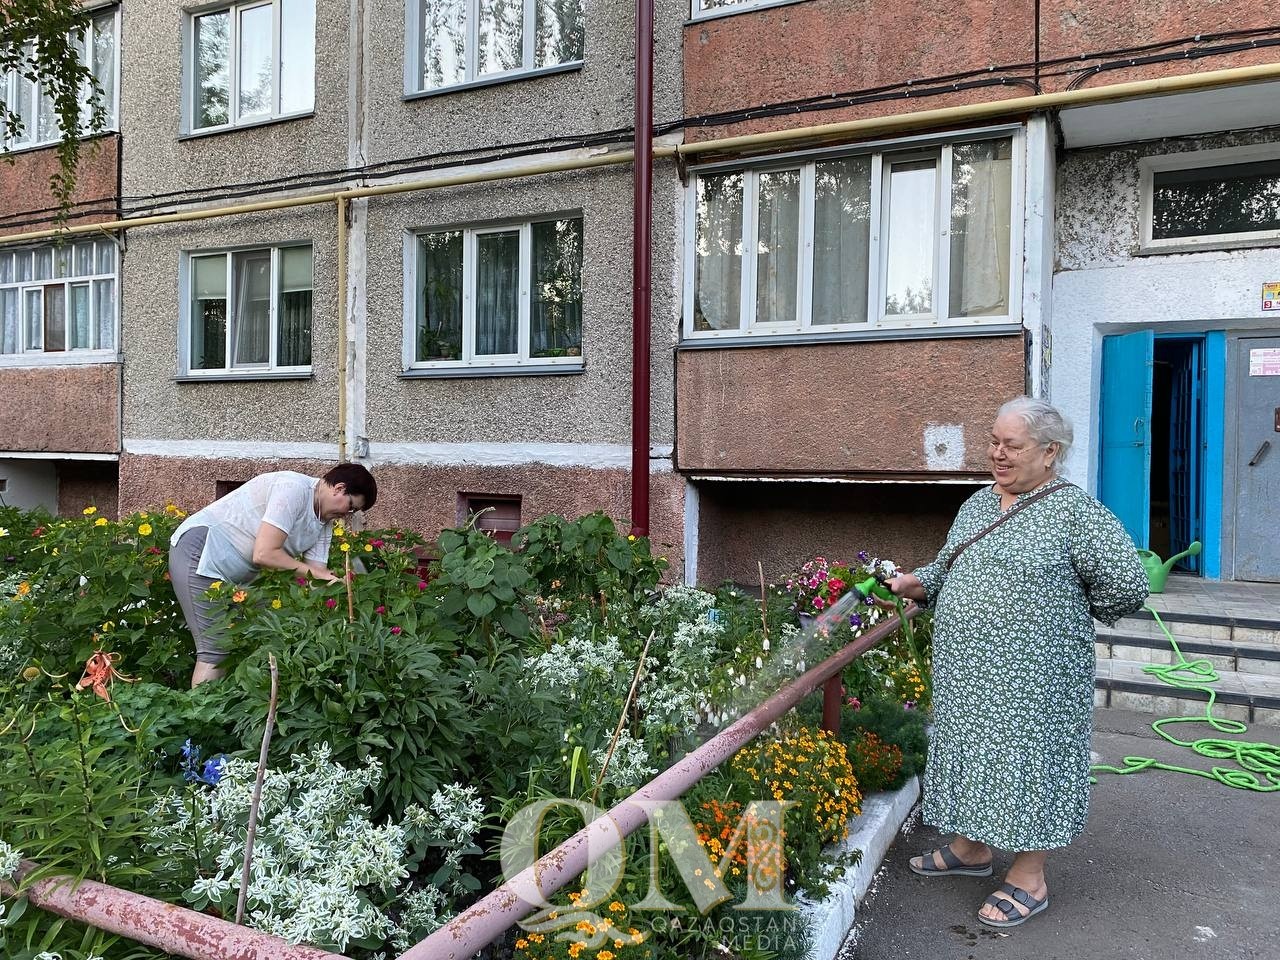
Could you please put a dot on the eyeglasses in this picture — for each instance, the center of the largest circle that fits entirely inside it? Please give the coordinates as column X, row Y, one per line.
column 1013, row 453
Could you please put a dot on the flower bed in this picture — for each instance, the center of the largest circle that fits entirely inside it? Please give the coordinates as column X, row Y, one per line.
column 417, row 715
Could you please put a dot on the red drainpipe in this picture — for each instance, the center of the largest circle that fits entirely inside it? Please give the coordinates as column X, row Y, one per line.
column 640, row 269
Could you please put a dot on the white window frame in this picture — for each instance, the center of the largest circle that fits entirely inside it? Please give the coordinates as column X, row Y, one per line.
column 1148, row 167
column 39, row 356
column 699, row 12
column 12, row 84
column 881, row 153
column 468, row 360
column 190, row 104
column 244, row 370
column 413, row 85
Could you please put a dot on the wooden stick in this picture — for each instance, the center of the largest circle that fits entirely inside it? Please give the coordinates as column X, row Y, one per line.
column 764, row 604
column 257, row 790
column 351, row 604
column 617, row 732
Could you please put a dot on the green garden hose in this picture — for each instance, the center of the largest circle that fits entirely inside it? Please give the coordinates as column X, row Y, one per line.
column 1258, row 763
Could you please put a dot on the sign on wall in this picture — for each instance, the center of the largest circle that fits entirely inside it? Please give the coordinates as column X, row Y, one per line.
column 1271, row 296
column 1264, row 362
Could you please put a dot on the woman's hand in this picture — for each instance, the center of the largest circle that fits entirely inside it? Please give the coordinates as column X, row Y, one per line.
column 907, row 585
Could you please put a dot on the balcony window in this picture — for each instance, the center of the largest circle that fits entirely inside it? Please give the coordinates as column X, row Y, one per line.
column 58, row 300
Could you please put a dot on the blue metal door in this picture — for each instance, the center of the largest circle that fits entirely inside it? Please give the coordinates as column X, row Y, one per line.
column 1124, row 419
column 1185, row 418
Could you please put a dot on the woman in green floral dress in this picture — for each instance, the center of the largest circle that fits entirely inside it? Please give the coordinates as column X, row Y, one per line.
column 1029, row 563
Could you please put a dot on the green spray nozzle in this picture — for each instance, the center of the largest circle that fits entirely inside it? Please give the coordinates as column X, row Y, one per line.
column 874, row 587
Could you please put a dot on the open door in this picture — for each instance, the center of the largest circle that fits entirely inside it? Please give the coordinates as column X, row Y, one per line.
column 1124, row 421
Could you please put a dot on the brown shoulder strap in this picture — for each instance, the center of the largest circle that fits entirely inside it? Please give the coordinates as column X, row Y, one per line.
column 1007, row 515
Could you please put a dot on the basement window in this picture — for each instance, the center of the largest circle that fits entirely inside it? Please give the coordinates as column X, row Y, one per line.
column 496, row 515
column 1211, row 198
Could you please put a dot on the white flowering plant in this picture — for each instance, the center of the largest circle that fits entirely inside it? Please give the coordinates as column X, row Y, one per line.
column 323, row 872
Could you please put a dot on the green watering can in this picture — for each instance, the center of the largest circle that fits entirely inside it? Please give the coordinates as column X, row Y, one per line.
column 1158, row 570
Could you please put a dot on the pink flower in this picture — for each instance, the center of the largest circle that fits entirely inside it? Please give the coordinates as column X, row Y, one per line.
column 301, row 581
column 396, row 631
column 854, row 702
column 817, row 603
column 380, row 609
column 331, row 603
column 422, row 584
column 376, row 543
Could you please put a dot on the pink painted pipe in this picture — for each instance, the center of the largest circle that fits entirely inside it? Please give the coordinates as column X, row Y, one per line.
column 490, row 917
column 165, row 926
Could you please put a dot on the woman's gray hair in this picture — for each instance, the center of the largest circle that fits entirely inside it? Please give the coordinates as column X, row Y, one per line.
column 1045, row 423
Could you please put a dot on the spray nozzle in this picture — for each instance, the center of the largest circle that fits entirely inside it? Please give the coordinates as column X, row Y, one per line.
column 875, row 587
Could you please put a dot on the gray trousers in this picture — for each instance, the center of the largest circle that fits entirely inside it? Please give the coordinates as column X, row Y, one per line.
column 190, row 587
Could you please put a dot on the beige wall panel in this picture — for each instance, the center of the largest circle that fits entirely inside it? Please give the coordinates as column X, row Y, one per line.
column 891, row 406
column 72, row 409
column 156, row 407
column 589, row 407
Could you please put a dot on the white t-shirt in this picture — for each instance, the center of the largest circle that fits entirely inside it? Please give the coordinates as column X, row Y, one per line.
column 283, row 499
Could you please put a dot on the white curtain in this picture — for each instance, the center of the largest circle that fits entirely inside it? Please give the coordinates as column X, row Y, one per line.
column 717, row 298
column 980, row 210
column 841, row 241
column 251, row 342
column 497, row 293
column 778, row 246
column 9, row 339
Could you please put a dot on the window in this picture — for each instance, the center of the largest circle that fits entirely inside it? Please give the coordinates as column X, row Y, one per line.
column 468, row 41
column 908, row 238
column 497, row 296
column 58, row 299
column 251, row 62
column 28, row 100
column 496, row 515
column 1211, row 197
column 249, row 311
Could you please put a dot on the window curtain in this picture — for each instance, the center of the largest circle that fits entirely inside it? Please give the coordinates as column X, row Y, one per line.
column 778, row 246
column 80, row 331
column 208, row 313
column 293, row 313
column 555, row 323
column 251, row 341
column 981, row 194
column 497, row 293
column 10, row 341
column 841, row 241
column 439, row 328
column 717, row 295
column 104, row 295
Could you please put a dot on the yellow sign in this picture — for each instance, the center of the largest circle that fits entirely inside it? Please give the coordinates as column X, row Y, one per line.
column 1271, row 296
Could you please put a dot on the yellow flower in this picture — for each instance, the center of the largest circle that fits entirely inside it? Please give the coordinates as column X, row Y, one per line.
column 616, row 907
column 346, row 547
column 275, row 604
column 55, row 551
column 106, row 627
column 368, row 548
column 23, row 589
column 100, row 522
column 144, row 515
column 521, row 943
column 604, row 955
column 89, row 511
column 630, row 537
column 339, row 532
column 216, row 585
column 144, row 529
column 576, row 948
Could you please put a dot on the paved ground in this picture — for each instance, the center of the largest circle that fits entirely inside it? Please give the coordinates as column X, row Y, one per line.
column 1171, row 867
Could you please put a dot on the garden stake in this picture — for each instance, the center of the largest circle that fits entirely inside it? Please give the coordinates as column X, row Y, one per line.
column 764, row 605
column 257, row 791
column 351, row 606
column 635, row 683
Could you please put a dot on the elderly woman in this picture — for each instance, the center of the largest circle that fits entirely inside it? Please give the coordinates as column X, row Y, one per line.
column 1029, row 563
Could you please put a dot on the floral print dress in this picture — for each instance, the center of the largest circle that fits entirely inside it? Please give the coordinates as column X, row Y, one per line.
column 1013, row 664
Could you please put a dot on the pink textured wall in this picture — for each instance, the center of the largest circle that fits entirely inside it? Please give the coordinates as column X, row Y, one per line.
column 87, row 483
column 425, row 498
column 840, row 408
column 74, row 409
column 24, row 184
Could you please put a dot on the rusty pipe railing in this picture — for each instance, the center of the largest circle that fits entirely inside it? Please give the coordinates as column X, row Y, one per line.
column 165, row 926
column 490, row 917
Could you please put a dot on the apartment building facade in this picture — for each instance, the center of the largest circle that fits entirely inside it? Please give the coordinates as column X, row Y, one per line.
column 408, row 242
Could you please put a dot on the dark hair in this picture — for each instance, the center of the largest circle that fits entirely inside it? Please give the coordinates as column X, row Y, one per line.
column 358, row 481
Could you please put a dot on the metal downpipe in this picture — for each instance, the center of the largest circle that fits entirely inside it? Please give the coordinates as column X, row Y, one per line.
column 641, row 262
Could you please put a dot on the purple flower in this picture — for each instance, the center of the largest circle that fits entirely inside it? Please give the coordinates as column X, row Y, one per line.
column 909, row 705
column 862, row 555
column 855, row 620
column 331, row 603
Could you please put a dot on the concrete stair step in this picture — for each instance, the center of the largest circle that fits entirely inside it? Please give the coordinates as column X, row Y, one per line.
column 1216, row 625
column 1224, row 654
column 1253, row 698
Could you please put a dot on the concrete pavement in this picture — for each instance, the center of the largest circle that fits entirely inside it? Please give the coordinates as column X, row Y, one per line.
column 1171, row 867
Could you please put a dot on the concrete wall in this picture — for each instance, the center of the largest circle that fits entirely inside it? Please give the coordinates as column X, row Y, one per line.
column 1102, row 286
column 29, row 484
column 784, row 525
column 821, row 47
column 71, row 409
column 588, row 407
column 157, row 160
column 897, row 406
column 425, row 498
column 597, row 97
column 158, row 408
column 24, row 185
